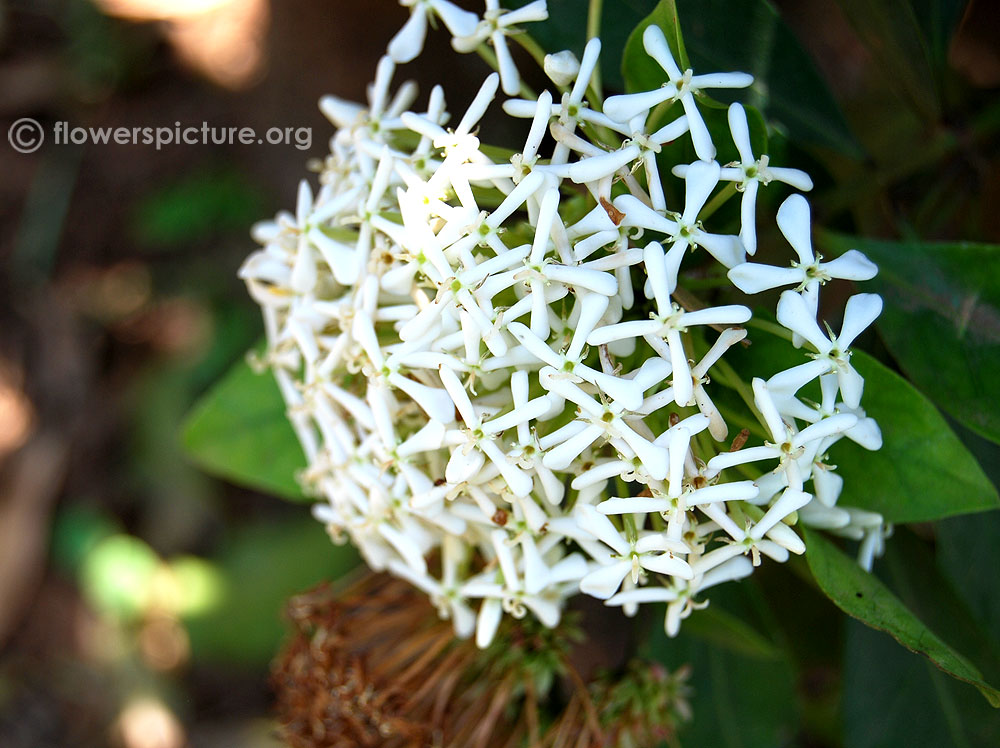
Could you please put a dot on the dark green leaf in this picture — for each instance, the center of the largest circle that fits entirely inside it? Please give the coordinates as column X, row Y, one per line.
column 915, row 572
column 894, row 699
column 938, row 20
column 720, row 628
column 750, row 36
column 917, row 703
column 863, row 596
column 738, row 702
column 923, row 472
column 969, row 554
column 200, row 205
column 942, row 321
column 240, row 432
column 890, row 30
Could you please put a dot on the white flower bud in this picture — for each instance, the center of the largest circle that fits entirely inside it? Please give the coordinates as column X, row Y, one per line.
column 562, row 67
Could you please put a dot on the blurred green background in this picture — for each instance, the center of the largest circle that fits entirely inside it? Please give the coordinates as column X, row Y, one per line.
column 140, row 598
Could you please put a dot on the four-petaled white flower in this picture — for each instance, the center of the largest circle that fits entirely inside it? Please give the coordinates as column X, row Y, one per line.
column 681, row 86
column 497, row 24
column 810, row 272
column 408, row 42
column 832, row 350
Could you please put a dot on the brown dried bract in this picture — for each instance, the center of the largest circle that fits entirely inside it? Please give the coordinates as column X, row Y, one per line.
column 614, row 214
column 740, row 440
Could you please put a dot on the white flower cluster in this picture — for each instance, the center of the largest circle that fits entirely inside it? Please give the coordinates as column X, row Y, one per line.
column 503, row 394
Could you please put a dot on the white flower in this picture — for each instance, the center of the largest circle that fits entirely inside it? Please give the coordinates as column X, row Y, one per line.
column 448, row 594
column 699, row 181
column 832, row 351
column 809, row 273
column 497, row 24
column 681, row 87
column 568, row 443
column 649, row 551
column 664, row 327
column 408, row 42
column 788, row 444
column 699, row 378
column 493, row 375
column 749, row 174
column 572, row 108
column 680, row 595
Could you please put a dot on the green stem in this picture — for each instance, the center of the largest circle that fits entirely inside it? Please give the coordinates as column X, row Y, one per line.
column 718, row 201
column 725, row 374
column 532, row 47
column 710, row 281
column 594, row 30
column 657, row 522
column 658, row 114
column 748, row 471
column 601, row 135
column 737, row 420
column 770, row 327
column 631, row 531
column 706, row 445
column 622, row 486
column 490, row 58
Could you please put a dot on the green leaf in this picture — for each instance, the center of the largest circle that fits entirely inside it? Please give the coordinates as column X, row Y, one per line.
column 941, row 321
column 207, row 203
column 891, row 698
column 239, row 431
column 923, row 471
column 750, row 36
column 738, row 702
column 906, row 700
column 890, row 30
column 639, row 70
column 720, row 628
column 116, row 576
column 914, row 569
column 260, row 567
column 969, row 556
column 862, row 596
column 938, row 20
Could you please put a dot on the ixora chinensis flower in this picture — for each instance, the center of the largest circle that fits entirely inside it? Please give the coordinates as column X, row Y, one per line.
column 500, row 379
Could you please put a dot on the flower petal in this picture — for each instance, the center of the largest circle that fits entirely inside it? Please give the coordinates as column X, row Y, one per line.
column 753, row 277
column 861, row 310
column 795, row 223
column 793, row 314
column 604, row 581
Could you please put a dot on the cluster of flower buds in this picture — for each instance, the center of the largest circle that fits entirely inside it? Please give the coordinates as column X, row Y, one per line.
column 498, row 377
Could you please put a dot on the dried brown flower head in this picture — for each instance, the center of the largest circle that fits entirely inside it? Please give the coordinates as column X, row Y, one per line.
column 376, row 666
